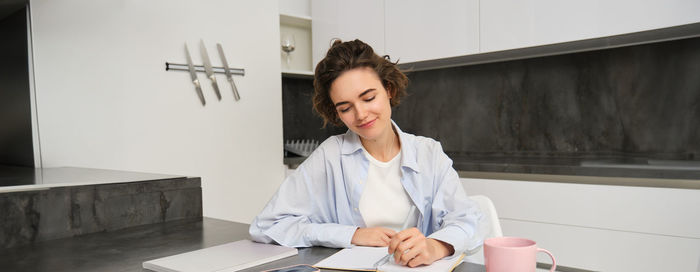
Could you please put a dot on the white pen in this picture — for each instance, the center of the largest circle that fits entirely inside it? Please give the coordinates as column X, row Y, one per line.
column 386, row 258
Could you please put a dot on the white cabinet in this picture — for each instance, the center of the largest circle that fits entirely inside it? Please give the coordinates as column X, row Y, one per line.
column 422, row 30
column 347, row 20
column 510, row 24
column 297, row 8
column 415, row 30
column 600, row 227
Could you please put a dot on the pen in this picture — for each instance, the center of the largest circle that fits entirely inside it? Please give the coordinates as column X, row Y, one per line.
column 386, row 258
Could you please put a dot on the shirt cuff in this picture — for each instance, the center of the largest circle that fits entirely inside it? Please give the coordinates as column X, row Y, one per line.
column 333, row 235
column 452, row 235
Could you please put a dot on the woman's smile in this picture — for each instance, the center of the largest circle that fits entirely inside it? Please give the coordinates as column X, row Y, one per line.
column 367, row 124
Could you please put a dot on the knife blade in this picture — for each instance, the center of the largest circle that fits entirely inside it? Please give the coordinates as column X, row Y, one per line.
column 208, row 68
column 193, row 76
column 229, row 76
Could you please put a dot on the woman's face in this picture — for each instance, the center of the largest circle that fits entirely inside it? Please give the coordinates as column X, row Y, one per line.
column 362, row 103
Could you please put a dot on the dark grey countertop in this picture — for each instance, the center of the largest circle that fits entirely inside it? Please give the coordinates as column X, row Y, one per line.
column 632, row 167
column 14, row 178
column 127, row 249
column 621, row 171
column 624, row 171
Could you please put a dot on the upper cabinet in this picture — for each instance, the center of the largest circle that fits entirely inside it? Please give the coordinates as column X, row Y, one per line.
column 417, row 30
column 346, row 20
column 510, row 24
column 295, row 8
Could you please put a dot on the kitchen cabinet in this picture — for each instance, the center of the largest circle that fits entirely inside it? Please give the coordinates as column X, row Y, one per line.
column 418, row 30
column 347, row 20
column 296, row 8
column 413, row 30
column 510, row 24
column 600, row 227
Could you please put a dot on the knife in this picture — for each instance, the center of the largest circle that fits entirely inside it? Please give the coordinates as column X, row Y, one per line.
column 208, row 69
column 193, row 76
column 229, row 77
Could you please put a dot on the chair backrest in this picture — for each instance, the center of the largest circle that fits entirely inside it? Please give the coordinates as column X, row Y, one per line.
column 489, row 226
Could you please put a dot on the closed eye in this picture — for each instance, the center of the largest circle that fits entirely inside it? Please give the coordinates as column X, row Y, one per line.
column 370, row 99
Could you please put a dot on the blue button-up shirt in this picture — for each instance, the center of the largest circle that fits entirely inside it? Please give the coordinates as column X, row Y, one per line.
column 318, row 204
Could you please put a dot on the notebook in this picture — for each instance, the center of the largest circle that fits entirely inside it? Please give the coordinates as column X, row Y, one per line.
column 222, row 258
column 361, row 258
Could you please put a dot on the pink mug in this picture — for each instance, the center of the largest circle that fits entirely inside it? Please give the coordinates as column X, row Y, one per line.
column 512, row 254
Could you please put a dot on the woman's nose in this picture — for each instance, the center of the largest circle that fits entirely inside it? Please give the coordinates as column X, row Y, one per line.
column 360, row 112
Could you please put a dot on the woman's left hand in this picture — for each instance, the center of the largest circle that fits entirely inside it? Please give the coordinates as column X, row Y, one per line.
column 411, row 248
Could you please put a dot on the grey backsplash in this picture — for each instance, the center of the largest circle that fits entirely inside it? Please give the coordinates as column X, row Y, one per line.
column 632, row 102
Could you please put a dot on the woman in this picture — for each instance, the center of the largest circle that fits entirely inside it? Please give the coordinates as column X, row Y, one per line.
column 358, row 188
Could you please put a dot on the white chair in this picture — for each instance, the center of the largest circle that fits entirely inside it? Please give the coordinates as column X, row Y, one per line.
column 489, row 226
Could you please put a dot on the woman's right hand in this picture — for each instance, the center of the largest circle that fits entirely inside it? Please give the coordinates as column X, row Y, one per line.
column 376, row 237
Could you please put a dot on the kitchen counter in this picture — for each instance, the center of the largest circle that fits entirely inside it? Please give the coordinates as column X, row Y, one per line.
column 604, row 171
column 607, row 171
column 14, row 178
column 65, row 202
column 121, row 250
column 127, row 249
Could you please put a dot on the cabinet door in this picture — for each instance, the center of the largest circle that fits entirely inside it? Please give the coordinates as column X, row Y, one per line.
column 347, row 20
column 421, row 30
column 509, row 24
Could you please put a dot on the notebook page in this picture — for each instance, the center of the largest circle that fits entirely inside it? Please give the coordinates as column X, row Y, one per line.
column 363, row 259
column 439, row 265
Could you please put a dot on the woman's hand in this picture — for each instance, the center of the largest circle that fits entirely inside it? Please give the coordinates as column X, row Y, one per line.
column 376, row 237
column 411, row 248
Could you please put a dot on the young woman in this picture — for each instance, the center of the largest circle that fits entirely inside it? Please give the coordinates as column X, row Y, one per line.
column 358, row 188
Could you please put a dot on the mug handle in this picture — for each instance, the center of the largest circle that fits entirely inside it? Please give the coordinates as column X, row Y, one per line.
column 554, row 261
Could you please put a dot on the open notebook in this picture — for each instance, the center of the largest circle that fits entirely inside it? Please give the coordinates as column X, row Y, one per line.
column 227, row 257
column 361, row 258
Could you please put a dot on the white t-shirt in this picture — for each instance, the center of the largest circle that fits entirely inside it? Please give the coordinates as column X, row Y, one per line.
column 384, row 201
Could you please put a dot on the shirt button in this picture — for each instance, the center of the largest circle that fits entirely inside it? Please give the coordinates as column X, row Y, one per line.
column 355, row 209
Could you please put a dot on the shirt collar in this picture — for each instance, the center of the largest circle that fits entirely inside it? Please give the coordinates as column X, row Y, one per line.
column 408, row 149
column 352, row 144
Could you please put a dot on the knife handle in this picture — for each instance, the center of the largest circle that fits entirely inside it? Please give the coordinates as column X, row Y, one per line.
column 198, row 88
column 235, row 90
column 216, row 90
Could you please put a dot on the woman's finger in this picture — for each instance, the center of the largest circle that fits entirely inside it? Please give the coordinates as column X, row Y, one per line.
column 385, row 240
column 405, row 248
column 417, row 260
column 411, row 248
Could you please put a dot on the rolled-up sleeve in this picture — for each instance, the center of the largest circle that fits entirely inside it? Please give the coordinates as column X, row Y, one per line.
column 455, row 216
column 298, row 215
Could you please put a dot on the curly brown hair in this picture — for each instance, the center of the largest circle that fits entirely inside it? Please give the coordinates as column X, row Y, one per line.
column 344, row 56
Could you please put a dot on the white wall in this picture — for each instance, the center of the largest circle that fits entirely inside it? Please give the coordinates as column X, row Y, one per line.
column 104, row 99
